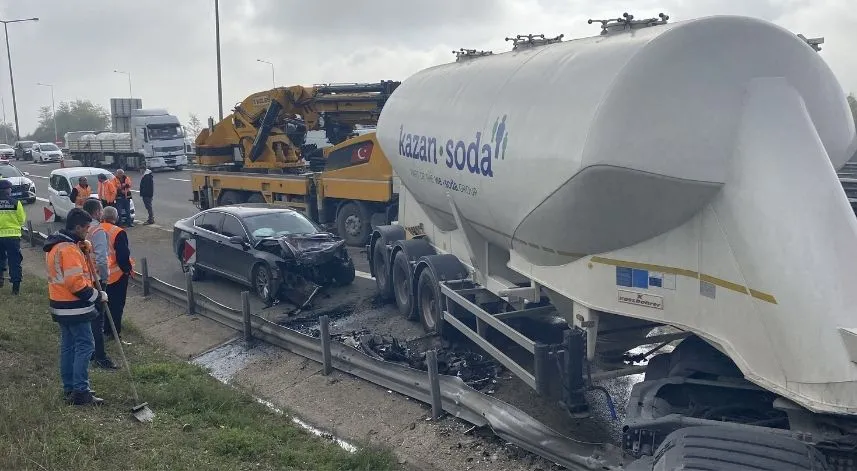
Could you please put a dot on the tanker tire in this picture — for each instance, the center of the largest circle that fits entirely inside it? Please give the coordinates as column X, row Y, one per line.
column 229, row 197
column 382, row 271
column 428, row 302
column 727, row 448
column 352, row 224
column 403, row 286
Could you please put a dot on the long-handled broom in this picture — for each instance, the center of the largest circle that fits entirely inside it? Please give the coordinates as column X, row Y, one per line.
column 141, row 411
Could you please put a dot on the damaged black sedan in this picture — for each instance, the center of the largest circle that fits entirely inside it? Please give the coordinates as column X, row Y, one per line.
column 277, row 252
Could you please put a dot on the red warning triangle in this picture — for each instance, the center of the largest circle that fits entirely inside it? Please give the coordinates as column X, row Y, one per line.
column 189, row 251
column 49, row 214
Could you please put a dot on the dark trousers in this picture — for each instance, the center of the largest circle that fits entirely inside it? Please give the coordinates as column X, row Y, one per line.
column 147, row 202
column 123, row 205
column 97, row 329
column 116, row 294
column 10, row 253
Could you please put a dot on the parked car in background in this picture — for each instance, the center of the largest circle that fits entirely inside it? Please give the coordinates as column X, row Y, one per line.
column 62, row 180
column 24, row 150
column 278, row 252
column 22, row 187
column 46, row 152
column 6, row 152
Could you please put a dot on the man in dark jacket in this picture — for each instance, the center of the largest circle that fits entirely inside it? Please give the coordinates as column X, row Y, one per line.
column 147, row 191
column 72, row 297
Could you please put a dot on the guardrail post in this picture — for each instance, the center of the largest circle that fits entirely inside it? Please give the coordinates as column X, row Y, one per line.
column 434, row 384
column 191, row 301
column 31, row 233
column 144, row 276
column 324, row 326
column 245, row 310
column 540, row 368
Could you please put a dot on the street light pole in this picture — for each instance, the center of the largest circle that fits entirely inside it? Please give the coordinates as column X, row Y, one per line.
column 11, row 78
column 130, row 93
column 5, row 126
column 219, row 80
column 273, row 82
column 53, row 111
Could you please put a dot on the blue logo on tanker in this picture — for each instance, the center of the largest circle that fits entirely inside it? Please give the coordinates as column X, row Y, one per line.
column 475, row 155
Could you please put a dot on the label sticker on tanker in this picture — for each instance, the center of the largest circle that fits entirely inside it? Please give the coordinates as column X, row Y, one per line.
column 641, row 299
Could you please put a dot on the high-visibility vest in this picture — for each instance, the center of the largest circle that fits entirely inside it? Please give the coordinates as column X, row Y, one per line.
column 82, row 195
column 114, row 272
column 69, row 279
column 123, row 188
column 107, row 191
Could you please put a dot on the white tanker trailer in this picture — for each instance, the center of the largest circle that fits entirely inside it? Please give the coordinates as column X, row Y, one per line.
column 657, row 182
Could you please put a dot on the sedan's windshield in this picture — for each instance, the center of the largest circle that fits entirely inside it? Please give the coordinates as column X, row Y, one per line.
column 47, row 147
column 278, row 224
column 9, row 171
column 27, row 144
column 162, row 132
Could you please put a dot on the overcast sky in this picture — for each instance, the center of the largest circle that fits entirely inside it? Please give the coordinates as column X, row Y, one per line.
column 168, row 45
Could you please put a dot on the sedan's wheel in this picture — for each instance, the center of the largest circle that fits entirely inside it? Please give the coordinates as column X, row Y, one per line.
column 262, row 282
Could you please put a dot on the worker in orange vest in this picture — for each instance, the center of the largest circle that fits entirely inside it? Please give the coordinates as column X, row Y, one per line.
column 123, row 198
column 72, row 303
column 106, row 190
column 80, row 192
column 120, row 266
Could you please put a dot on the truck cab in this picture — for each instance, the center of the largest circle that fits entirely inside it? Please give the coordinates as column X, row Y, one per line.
column 159, row 138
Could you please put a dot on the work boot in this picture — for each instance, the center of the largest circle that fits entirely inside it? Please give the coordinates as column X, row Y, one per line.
column 16, row 288
column 85, row 398
column 67, row 395
column 106, row 364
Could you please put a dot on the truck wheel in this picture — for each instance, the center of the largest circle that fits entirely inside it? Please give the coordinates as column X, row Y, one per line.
column 403, row 287
column 428, row 301
column 230, row 197
column 382, row 271
column 722, row 447
column 352, row 224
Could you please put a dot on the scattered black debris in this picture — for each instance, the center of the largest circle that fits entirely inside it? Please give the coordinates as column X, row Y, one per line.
column 476, row 370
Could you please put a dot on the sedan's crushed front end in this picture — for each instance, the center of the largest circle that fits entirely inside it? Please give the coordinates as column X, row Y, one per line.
column 309, row 262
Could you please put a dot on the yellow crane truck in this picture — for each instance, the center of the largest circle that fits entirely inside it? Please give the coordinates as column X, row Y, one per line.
column 259, row 154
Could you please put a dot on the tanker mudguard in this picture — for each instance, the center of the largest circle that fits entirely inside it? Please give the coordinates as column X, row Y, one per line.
column 682, row 174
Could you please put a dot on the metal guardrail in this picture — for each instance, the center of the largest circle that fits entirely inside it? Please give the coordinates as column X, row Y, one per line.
column 456, row 397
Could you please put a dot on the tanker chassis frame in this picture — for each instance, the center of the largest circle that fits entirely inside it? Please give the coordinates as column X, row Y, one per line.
column 691, row 396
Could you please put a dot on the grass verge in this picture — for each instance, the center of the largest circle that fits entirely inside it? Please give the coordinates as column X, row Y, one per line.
column 199, row 423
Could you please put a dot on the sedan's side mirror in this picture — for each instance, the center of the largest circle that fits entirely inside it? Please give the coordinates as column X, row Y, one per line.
column 26, row 174
column 238, row 240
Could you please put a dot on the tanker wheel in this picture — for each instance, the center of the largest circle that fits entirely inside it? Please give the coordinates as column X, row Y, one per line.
column 353, row 224
column 230, row 197
column 428, row 302
column 382, row 270
column 402, row 286
column 256, row 198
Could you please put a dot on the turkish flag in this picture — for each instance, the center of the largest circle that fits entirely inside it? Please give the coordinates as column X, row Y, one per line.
column 362, row 153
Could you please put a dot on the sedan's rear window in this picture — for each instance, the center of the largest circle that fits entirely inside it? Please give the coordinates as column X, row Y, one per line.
column 278, row 224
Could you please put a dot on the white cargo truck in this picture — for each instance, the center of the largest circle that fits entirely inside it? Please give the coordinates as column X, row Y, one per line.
column 655, row 184
column 150, row 138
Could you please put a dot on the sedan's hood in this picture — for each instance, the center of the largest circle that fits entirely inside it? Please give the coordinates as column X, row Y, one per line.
column 19, row 180
column 314, row 248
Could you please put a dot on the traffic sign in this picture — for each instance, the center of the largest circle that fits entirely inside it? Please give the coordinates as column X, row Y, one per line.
column 49, row 214
column 189, row 251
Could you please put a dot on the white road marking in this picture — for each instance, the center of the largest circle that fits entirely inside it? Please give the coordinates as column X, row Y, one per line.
column 178, row 179
column 43, row 200
column 37, row 176
column 363, row 274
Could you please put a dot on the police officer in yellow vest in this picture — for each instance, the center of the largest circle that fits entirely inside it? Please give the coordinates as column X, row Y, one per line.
column 12, row 217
